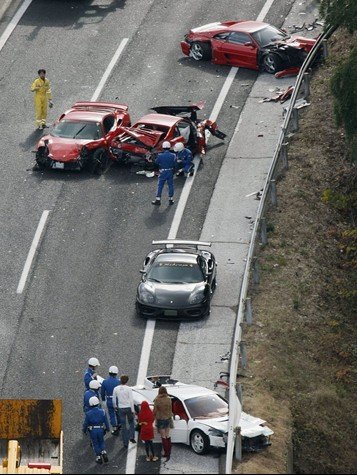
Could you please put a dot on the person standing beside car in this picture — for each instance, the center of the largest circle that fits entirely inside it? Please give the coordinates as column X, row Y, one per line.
column 108, row 386
column 146, row 420
column 166, row 161
column 43, row 98
column 123, row 403
column 163, row 416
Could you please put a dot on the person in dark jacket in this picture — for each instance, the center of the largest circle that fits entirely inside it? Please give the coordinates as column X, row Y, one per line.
column 163, row 416
column 166, row 162
column 107, row 389
column 146, row 420
column 90, row 373
column 96, row 423
column 184, row 160
column 92, row 391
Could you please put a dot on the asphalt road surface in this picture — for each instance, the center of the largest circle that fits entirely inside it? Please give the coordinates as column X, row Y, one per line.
column 79, row 298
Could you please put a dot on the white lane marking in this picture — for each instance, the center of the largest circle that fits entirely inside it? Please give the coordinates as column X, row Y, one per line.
column 13, row 23
column 265, row 10
column 145, row 352
column 109, row 69
column 32, row 252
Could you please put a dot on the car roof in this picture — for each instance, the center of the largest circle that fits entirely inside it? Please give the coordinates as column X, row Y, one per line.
column 177, row 257
column 160, row 119
column 179, row 390
column 87, row 116
column 248, row 26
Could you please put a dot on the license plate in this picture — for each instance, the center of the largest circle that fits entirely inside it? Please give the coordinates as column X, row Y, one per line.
column 58, row 165
column 170, row 313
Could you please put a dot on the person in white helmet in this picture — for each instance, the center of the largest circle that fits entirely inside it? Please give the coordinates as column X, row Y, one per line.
column 184, row 160
column 93, row 390
column 90, row 373
column 166, row 162
column 96, row 423
column 107, row 389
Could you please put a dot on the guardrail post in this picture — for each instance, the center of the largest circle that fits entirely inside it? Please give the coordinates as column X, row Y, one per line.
column 263, row 231
column 243, row 354
column 324, row 48
column 306, row 86
column 273, row 196
column 238, row 445
column 256, row 276
column 248, row 311
column 240, row 393
column 284, row 156
column 294, row 119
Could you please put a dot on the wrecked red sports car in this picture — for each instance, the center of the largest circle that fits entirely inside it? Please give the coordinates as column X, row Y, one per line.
column 81, row 137
column 144, row 139
column 248, row 44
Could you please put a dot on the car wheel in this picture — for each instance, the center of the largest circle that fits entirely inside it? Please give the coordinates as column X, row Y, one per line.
column 41, row 159
column 201, row 51
column 199, row 442
column 99, row 161
column 272, row 63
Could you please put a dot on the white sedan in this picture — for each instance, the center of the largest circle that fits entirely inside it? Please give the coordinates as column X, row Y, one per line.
column 201, row 416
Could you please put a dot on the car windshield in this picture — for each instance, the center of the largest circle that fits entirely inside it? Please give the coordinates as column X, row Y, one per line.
column 175, row 273
column 268, row 35
column 206, row 407
column 68, row 129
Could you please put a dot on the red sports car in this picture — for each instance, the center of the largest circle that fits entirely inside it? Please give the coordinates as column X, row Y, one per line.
column 81, row 137
column 144, row 139
column 248, row 44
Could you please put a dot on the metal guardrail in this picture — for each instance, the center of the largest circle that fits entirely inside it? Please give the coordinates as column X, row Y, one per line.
column 235, row 407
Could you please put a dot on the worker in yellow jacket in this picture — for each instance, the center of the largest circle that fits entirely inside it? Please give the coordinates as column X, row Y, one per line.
column 43, row 98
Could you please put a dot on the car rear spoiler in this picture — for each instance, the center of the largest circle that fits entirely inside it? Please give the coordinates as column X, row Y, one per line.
column 169, row 243
column 111, row 106
column 176, row 110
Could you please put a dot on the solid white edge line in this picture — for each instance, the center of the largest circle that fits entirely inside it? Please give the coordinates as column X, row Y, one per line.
column 13, row 23
column 109, row 69
column 32, row 252
column 265, row 10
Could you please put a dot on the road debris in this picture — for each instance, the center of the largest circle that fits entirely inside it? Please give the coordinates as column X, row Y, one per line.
column 281, row 96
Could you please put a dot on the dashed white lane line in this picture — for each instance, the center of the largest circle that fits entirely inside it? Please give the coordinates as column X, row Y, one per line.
column 14, row 22
column 32, row 252
column 109, row 69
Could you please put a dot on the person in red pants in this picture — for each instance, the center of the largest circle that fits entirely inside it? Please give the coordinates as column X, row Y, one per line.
column 146, row 420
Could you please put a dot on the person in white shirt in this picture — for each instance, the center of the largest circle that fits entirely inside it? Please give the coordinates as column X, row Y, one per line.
column 123, row 403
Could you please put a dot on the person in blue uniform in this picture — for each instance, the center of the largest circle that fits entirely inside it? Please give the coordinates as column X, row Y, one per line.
column 93, row 390
column 91, row 371
column 96, row 423
column 184, row 160
column 107, row 389
column 166, row 162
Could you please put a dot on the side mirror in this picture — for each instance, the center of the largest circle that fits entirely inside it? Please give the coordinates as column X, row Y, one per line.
column 210, row 266
column 177, row 418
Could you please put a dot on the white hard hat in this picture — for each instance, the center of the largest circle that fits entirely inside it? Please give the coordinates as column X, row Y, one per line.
column 94, row 384
column 93, row 362
column 113, row 370
column 94, row 401
column 166, row 144
column 178, row 147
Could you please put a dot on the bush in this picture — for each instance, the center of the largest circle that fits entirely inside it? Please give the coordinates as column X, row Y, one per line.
column 340, row 13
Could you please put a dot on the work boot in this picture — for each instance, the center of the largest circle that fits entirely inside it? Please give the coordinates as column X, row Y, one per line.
column 98, row 459
column 156, row 202
column 133, row 441
column 105, row 456
column 171, row 201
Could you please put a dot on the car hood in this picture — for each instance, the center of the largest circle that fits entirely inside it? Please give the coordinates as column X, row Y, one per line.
column 250, row 425
column 64, row 150
column 298, row 42
column 149, row 138
column 170, row 295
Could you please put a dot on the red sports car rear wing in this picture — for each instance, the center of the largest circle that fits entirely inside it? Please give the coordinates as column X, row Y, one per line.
column 175, row 110
column 110, row 106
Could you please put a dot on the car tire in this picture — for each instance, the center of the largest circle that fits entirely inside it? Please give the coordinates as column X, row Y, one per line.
column 201, row 51
column 272, row 63
column 199, row 442
column 99, row 161
column 42, row 160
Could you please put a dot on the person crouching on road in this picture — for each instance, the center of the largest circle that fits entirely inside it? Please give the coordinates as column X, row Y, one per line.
column 184, row 160
column 163, row 416
column 96, row 423
column 90, row 373
column 146, row 420
column 166, row 162
column 123, row 402
column 43, row 98
column 92, row 391
column 108, row 386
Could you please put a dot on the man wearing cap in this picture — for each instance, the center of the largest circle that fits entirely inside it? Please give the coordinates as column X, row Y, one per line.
column 90, row 373
column 184, row 160
column 96, row 423
column 166, row 162
column 107, row 389
column 92, row 391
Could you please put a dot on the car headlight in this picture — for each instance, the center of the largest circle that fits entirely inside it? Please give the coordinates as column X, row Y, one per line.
column 215, row 433
column 146, row 296
column 197, row 296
